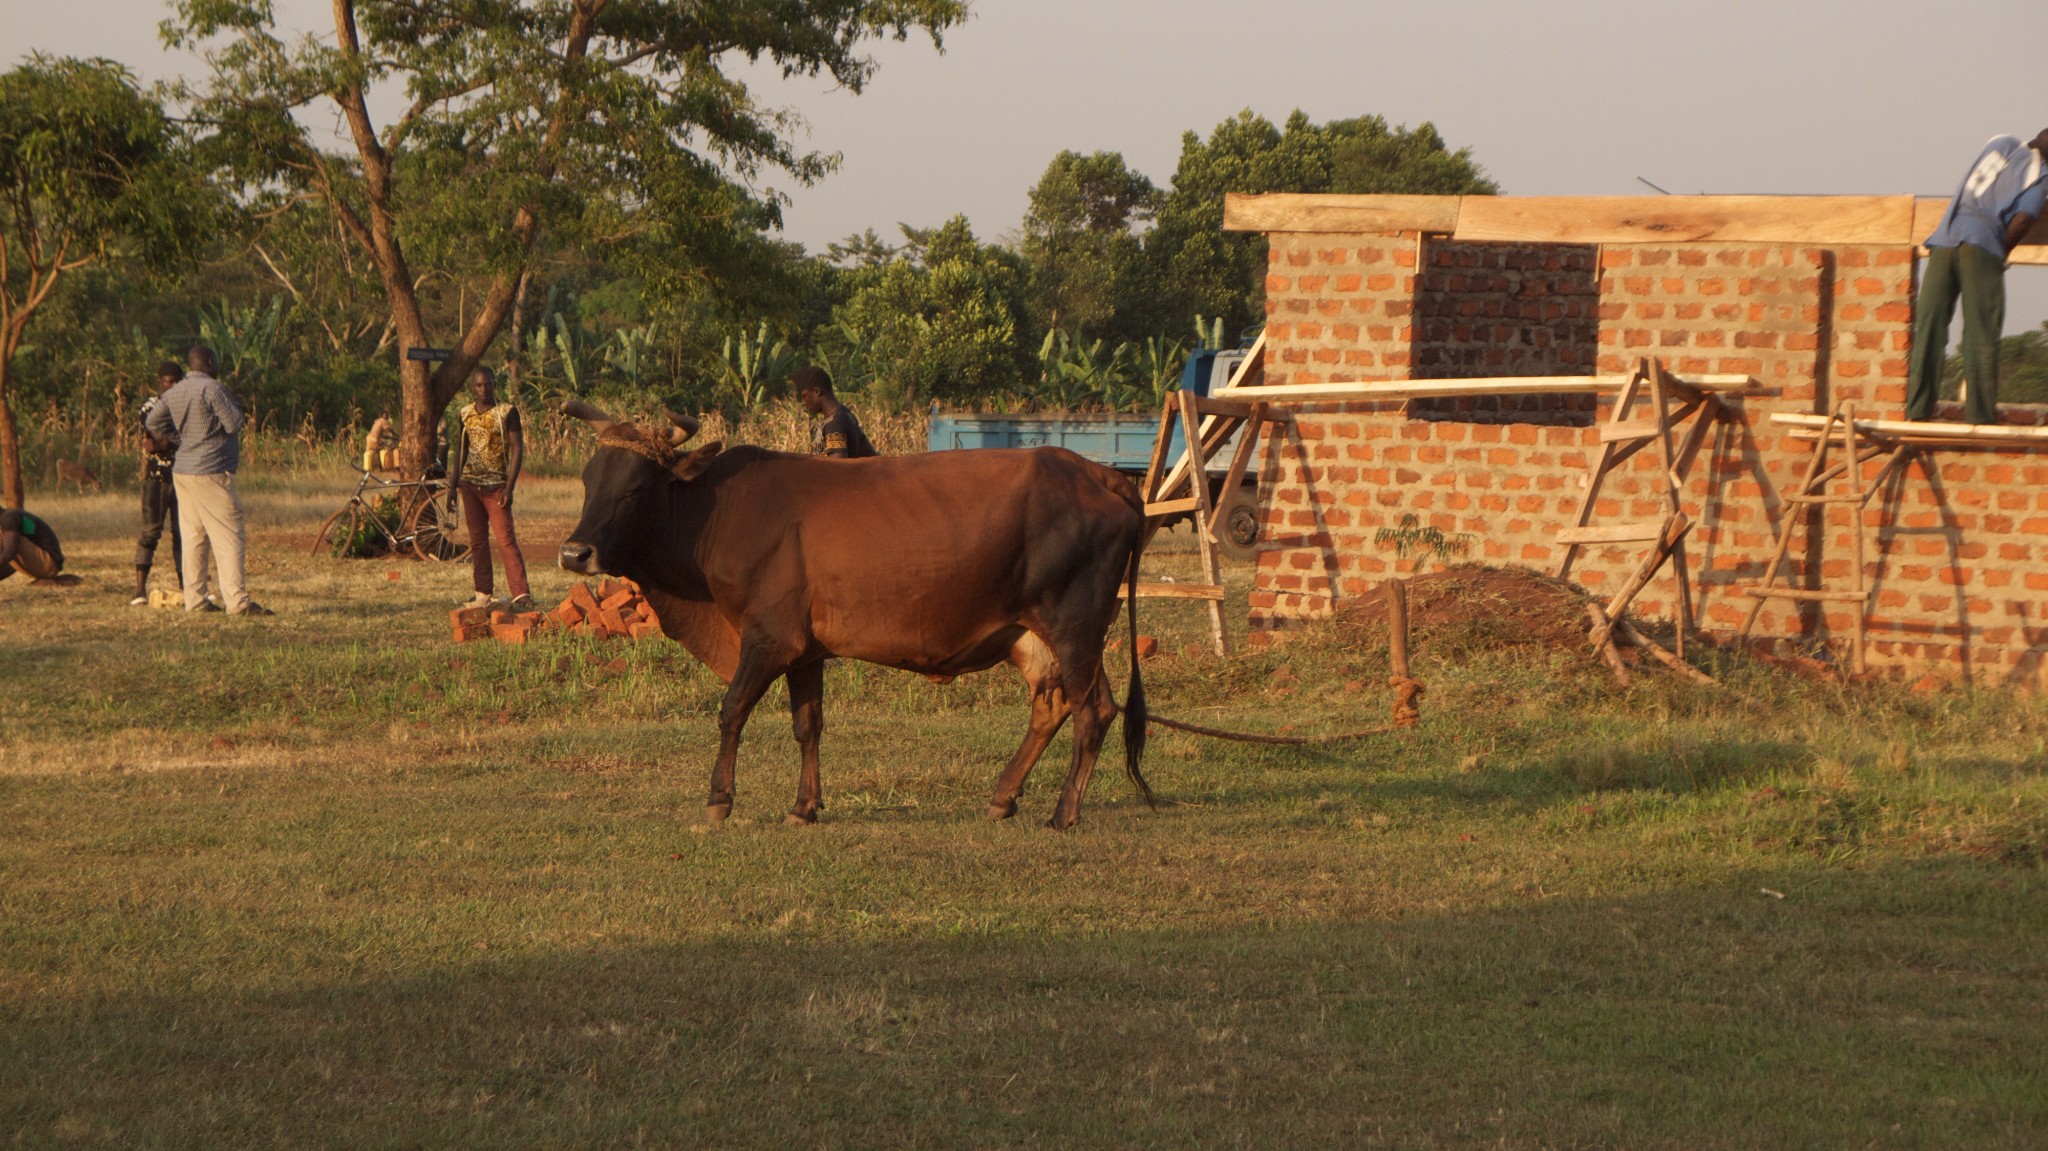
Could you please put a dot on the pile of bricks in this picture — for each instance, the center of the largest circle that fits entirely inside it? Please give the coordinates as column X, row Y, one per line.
column 614, row 610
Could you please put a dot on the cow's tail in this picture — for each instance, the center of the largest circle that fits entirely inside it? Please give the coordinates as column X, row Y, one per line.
column 1134, row 696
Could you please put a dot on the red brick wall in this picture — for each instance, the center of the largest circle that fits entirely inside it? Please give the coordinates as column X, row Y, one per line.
column 1953, row 555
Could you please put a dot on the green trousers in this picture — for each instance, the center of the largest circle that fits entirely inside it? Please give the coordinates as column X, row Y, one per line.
column 1978, row 277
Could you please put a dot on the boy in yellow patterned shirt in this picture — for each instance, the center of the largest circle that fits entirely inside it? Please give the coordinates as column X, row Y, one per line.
column 493, row 447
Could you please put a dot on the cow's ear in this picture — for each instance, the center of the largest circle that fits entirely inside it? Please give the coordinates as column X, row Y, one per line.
column 690, row 465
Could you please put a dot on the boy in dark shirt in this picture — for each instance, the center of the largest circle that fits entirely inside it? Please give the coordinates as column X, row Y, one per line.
column 159, row 497
column 28, row 545
column 839, row 435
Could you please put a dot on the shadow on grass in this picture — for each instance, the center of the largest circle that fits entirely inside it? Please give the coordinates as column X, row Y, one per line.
column 1896, row 1007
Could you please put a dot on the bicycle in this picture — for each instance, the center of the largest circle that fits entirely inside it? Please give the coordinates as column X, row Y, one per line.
column 430, row 526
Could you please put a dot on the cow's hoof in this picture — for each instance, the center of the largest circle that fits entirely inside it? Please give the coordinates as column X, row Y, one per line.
column 997, row 812
column 799, row 819
column 1057, row 825
column 715, row 813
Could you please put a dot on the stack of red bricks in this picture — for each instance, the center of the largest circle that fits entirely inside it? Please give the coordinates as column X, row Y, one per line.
column 614, row 610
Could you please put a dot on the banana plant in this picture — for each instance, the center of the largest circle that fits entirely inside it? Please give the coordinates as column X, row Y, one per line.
column 1208, row 334
column 1074, row 374
column 243, row 339
column 563, row 342
column 1156, row 366
column 632, row 351
column 750, row 366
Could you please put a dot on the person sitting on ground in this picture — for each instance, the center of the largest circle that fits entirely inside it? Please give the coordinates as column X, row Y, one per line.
column 839, row 435
column 28, row 544
column 493, row 448
column 1998, row 201
column 159, row 494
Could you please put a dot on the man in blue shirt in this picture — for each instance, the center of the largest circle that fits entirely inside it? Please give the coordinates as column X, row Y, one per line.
column 206, row 422
column 1999, row 200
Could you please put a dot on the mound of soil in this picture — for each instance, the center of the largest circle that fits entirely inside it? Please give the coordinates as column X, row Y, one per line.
column 1472, row 608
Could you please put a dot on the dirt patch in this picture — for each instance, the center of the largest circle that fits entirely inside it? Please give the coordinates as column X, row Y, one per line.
column 1471, row 608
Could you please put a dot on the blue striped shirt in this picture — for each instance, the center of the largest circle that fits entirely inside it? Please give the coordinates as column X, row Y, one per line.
column 2006, row 179
column 205, row 420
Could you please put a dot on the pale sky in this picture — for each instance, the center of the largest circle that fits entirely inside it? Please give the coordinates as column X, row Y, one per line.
column 1557, row 97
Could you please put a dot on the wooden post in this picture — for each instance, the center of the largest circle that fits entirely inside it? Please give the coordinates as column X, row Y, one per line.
column 1397, row 627
column 1198, row 476
column 1603, row 643
column 1406, row 690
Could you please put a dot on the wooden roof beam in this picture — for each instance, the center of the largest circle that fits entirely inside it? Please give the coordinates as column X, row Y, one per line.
column 1825, row 220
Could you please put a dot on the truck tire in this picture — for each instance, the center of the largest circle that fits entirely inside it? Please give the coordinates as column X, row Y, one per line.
column 1237, row 529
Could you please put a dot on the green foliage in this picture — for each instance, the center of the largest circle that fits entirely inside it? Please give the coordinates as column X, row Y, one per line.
column 372, row 534
column 1081, row 240
column 624, row 128
column 90, row 167
column 1412, row 535
column 2022, row 369
column 1195, row 267
column 244, row 338
column 941, row 320
column 752, row 366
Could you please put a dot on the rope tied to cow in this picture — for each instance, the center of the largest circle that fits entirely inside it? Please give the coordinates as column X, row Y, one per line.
column 1406, row 714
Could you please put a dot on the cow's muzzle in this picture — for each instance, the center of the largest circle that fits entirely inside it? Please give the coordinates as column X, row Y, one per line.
column 580, row 558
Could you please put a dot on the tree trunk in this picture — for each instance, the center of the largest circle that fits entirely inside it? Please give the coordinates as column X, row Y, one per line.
column 10, row 441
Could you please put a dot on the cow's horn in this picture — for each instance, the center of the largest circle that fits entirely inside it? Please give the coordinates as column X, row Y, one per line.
column 588, row 413
column 685, row 427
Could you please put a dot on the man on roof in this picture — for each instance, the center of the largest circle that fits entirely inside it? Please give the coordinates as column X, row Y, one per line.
column 1998, row 201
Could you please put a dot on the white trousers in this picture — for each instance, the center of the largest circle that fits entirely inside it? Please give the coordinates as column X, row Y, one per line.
column 210, row 518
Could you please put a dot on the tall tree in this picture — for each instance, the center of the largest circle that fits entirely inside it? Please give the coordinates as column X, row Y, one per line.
column 89, row 168
column 1195, row 268
column 523, row 116
column 1081, row 238
column 944, row 319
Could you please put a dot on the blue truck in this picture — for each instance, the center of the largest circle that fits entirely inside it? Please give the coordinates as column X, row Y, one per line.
column 1122, row 440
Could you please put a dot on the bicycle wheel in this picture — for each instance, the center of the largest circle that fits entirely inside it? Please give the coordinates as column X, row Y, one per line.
column 435, row 534
column 342, row 527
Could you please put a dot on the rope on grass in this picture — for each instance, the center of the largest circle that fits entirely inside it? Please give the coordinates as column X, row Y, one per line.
column 1406, row 714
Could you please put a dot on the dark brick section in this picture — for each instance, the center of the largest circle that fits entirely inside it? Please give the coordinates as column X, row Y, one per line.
column 1507, row 310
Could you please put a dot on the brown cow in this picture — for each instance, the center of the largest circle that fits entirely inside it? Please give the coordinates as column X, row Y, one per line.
column 765, row 564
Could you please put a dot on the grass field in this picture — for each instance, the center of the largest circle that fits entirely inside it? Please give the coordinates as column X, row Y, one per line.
column 327, row 880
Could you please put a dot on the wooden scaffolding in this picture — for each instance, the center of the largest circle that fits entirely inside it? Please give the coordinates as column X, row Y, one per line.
column 1668, row 403
column 1181, row 488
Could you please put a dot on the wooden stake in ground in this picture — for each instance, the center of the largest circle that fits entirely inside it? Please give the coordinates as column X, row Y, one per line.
column 1406, row 690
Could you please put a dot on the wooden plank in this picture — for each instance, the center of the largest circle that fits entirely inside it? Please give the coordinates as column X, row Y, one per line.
column 1197, row 460
column 1611, row 533
column 1235, row 409
column 1160, row 443
column 1788, row 524
column 1927, row 214
column 1641, row 429
column 1179, row 507
column 1928, row 431
column 1674, row 531
column 1290, row 212
column 1687, row 219
column 1148, row 590
column 1253, row 366
column 1370, row 391
column 1247, row 445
